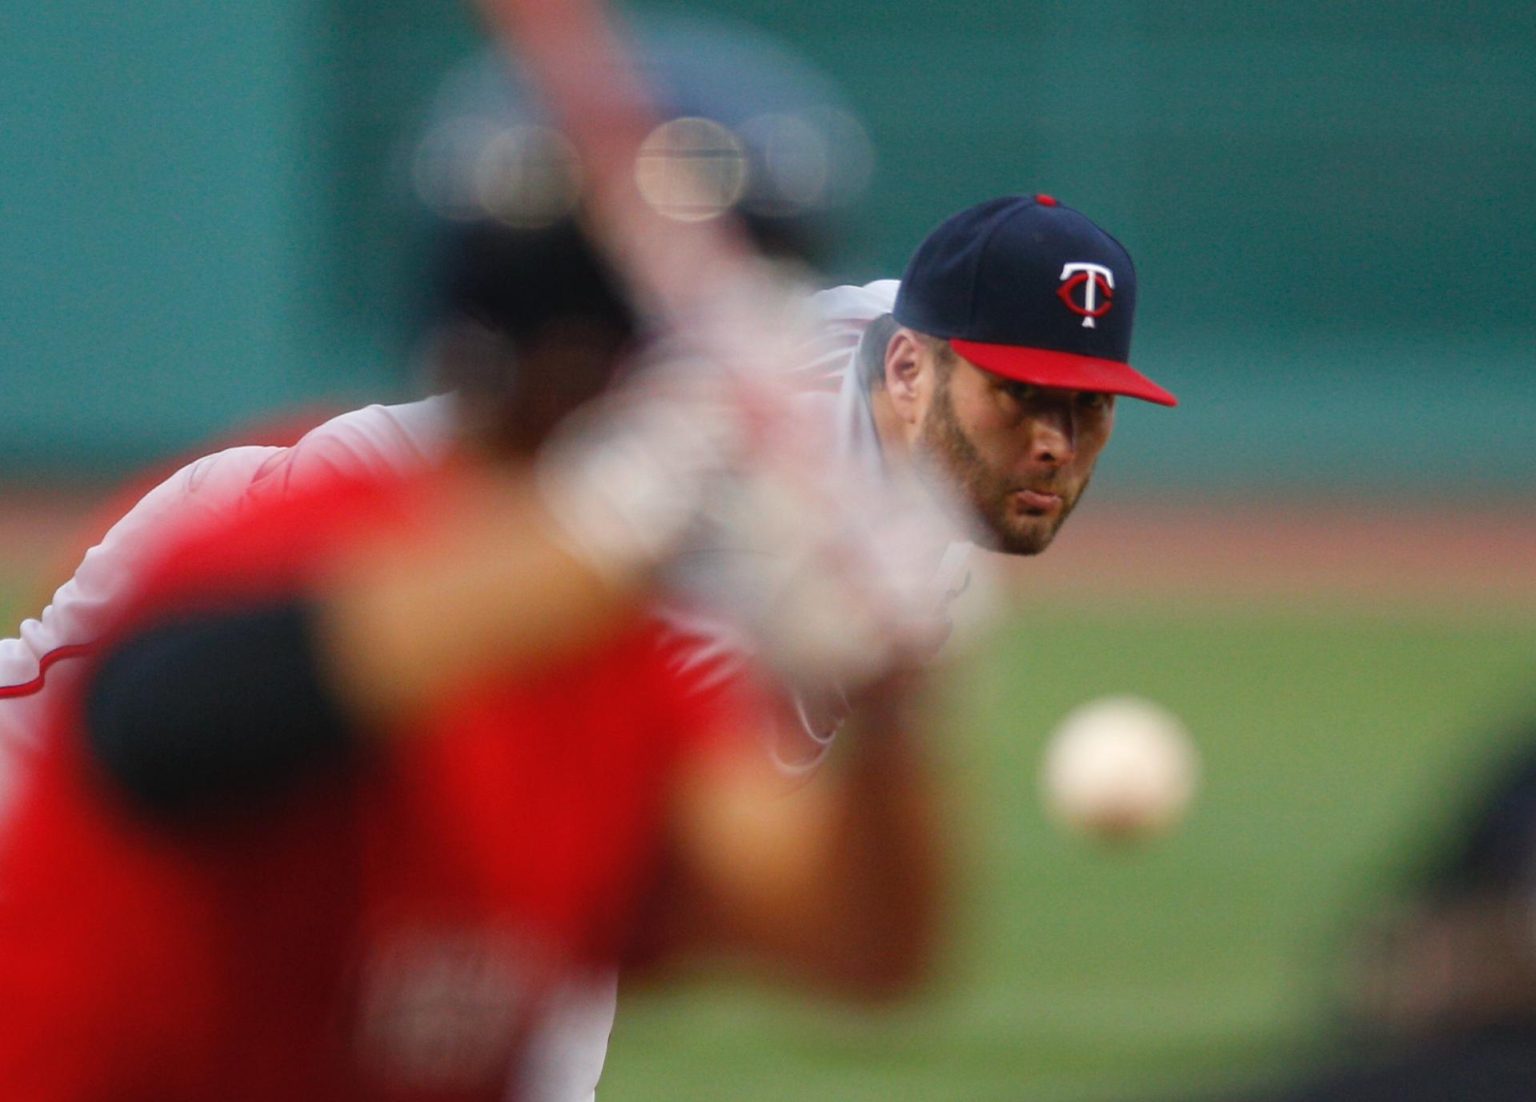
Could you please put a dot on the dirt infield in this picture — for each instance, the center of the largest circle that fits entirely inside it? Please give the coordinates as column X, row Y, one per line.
column 1464, row 556
column 1482, row 556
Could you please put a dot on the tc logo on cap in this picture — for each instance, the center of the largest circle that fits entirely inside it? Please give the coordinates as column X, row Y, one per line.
column 1096, row 280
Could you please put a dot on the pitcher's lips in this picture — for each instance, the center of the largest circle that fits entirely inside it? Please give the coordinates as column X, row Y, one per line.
column 1038, row 500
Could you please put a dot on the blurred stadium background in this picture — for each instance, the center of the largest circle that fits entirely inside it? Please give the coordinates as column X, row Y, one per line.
column 1325, row 559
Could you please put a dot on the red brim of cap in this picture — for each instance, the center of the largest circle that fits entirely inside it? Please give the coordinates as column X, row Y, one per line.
column 1063, row 370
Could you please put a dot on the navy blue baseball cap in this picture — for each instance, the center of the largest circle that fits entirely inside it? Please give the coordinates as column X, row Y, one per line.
column 1032, row 290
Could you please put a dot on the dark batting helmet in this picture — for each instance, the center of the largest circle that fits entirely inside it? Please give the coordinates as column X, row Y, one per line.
column 766, row 139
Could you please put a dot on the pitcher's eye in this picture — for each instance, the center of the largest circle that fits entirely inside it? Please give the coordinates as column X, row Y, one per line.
column 1094, row 401
column 1022, row 392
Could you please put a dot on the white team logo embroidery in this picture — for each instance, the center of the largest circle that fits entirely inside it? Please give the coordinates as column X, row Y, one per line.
column 1098, row 284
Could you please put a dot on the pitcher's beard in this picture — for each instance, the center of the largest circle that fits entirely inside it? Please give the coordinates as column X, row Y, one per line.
column 995, row 522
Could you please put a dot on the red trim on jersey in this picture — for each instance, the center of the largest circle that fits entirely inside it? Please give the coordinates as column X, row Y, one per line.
column 58, row 654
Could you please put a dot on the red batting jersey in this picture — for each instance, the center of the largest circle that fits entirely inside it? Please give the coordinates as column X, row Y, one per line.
column 386, row 930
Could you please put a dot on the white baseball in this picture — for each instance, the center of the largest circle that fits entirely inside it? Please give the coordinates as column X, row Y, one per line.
column 1119, row 767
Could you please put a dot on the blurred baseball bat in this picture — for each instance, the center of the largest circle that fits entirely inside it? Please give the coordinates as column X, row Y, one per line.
column 861, row 548
column 578, row 60
column 704, row 277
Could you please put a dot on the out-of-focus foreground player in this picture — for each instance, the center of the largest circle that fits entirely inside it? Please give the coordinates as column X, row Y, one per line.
column 359, row 775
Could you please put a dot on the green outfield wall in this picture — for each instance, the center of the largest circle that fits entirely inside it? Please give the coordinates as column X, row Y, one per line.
column 1333, row 210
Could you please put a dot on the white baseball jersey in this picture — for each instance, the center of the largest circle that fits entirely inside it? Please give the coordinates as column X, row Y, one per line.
column 38, row 658
column 399, row 438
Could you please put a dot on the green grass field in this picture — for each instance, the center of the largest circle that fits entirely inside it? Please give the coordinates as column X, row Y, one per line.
column 1335, row 744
